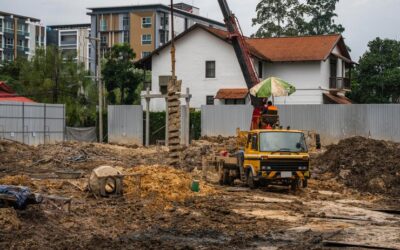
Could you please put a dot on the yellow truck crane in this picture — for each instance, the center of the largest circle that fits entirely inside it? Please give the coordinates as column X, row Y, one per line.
column 270, row 157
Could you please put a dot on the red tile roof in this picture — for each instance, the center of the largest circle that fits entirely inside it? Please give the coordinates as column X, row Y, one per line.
column 312, row 48
column 232, row 94
column 337, row 99
column 284, row 49
column 7, row 94
column 281, row 49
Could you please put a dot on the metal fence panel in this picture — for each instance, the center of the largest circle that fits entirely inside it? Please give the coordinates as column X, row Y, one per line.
column 125, row 124
column 32, row 123
column 225, row 119
column 333, row 122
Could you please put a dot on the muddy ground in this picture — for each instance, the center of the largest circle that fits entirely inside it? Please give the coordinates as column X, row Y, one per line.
column 165, row 214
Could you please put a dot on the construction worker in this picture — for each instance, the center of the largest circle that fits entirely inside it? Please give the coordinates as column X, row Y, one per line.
column 257, row 113
column 270, row 116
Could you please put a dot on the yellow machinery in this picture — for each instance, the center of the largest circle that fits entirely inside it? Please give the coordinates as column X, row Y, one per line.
column 269, row 157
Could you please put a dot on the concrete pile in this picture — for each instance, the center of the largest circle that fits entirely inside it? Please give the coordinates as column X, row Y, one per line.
column 174, row 121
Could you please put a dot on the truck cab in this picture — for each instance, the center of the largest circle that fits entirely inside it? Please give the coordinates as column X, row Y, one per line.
column 275, row 157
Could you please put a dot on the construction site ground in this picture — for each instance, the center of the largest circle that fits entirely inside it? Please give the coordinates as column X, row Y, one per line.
column 165, row 214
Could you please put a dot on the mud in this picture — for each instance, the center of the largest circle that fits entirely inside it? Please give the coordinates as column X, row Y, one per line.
column 364, row 164
column 166, row 214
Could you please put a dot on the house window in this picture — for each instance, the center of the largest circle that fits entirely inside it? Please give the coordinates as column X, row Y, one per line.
column 103, row 41
column 163, row 82
column 103, row 25
column 126, row 36
column 125, row 22
column 21, row 27
column 164, row 20
column 10, row 42
column 145, row 53
column 210, row 100
column 260, row 69
column 163, row 36
column 210, row 69
column 235, row 101
column 146, row 39
column 9, row 26
column 146, row 22
column 21, row 43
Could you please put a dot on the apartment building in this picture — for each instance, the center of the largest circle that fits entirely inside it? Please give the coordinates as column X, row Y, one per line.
column 144, row 27
column 19, row 36
column 72, row 40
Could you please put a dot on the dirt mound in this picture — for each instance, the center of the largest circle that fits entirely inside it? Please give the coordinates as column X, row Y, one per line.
column 164, row 184
column 364, row 164
column 9, row 220
column 17, row 158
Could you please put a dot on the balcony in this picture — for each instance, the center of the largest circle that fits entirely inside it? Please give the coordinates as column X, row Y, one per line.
column 22, row 48
column 23, row 33
column 9, row 30
column 9, row 46
column 339, row 83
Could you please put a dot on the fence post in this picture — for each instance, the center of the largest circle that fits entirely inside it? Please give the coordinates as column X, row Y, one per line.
column 187, row 122
column 44, row 123
column 147, row 117
column 23, row 122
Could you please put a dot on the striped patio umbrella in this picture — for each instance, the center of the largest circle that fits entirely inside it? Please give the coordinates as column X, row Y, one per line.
column 272, row 86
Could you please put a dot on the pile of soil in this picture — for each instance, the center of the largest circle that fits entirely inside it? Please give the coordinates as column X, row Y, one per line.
column 165, row 184
column 364, row 164
column 17, row 158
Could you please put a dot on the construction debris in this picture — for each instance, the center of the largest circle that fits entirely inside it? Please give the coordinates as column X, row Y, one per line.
column 159, row 209
column 105, row 181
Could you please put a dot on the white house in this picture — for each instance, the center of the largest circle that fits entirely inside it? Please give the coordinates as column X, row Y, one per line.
column 319, row 67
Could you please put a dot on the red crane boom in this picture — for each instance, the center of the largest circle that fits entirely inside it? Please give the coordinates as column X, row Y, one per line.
column 240, row 46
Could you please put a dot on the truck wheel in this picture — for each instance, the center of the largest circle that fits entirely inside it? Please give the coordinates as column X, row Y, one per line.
column 226, row 179
column 305, row 183
column 294, row 184
column 250, row 180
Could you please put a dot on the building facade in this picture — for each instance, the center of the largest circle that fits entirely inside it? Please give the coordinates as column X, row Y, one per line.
column 318, row 66
column 72, row 40
column 19, row 36
column 144, row 27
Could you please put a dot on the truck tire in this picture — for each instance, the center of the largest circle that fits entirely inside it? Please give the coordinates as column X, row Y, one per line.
column 226, row 179
column 295, row 184
column 250, row 180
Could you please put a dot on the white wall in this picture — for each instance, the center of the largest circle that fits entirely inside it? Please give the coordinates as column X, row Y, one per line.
column 191, row 54
column 305, row 76
column 311, row 79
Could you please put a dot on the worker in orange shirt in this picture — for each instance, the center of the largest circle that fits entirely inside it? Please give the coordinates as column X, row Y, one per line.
column 271, row 112
column 257, row 113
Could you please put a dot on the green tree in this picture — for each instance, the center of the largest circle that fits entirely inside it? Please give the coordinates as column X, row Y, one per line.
column 277, row 17
column 377, row 77
column 120, row 75
column 291, row 18
column 50, row 77
column 322, row 18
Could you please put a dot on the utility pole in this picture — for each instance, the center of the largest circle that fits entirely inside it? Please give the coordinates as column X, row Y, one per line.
column 99, row 83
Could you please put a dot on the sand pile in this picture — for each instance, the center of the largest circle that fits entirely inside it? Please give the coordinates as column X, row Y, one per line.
column 164, row 183
column 364, row 164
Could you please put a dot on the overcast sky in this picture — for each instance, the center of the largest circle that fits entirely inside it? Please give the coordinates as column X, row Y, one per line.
column 364, row 20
